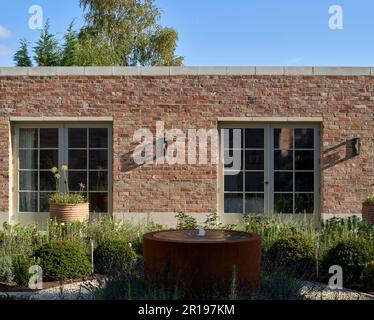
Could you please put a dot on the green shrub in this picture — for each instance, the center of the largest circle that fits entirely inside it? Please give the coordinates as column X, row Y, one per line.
column 352, row 255
column 368, row 276
column 369, row 200
column 114, row 257
column 21, row 266
column 184, row 221
column 6, row 268
column 63, row 260
column 296, row 253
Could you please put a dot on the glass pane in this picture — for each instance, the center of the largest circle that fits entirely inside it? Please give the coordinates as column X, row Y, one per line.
column 254, row 203
column 77, row 138
column 304, row 181
column 283, row 138
column 254, row 160
column 78, row 159
column 98, row 137
column 98, row 181
column 98, row 159
column 233, row 159
column 233, row 202
column 234, row 182
column 43, row 201
column 49, row 138
column 28, row 159
column 28, row 202
column 28, row 138
column 304, row 138
column 283, row 160
column 304, row 160
column 47, row 181
column 76, row 178
column 254, row 181
column 28, row 180
column 283, row 203
column 283, row 181
column 98, row 201
column 229, row 135
column 304, row 203
column 48, row 159
column 254, row 138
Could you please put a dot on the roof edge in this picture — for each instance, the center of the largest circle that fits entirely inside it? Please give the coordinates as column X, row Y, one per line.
column 193, row 71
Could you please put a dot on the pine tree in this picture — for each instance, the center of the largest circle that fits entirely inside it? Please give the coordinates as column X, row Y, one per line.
column 21, row 57
column 47, row 49
column 70, row 47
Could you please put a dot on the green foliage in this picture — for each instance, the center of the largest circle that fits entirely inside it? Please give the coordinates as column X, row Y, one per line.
column 278, row 284
column 64, row 196
column 70, row 47
column 113, row 257
column 22, row 57
column 95, row 50
column 21, row 266
column 63, row 260
column 47, row 49
column 132, row 29
column 6, row 267
column 131, row 285
column 67, row 198
column 368, row 275
column 369, row 200
column 293, row 253
column 185, row 222
column 352, row 255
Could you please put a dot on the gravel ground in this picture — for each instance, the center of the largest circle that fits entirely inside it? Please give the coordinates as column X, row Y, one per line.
column 84, row 290
column 319, row 291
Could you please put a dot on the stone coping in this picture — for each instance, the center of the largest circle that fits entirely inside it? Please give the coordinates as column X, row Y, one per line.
column 193, row 71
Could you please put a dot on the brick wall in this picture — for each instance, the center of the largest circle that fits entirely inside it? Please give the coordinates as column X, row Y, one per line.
column 346, row 104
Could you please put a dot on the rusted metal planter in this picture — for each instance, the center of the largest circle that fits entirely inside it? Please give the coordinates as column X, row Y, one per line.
column 201, row 267
column 68, row 213
column 368, row 212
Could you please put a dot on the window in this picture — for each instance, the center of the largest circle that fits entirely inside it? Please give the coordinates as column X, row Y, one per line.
column 277, row 172
column 86, row 149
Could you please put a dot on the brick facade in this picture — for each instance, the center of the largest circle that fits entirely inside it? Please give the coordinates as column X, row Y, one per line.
column 346, row 104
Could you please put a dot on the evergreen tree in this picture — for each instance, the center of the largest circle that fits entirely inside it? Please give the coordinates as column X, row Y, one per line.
column 70, row 47
column 47, row 50
column 21, row 57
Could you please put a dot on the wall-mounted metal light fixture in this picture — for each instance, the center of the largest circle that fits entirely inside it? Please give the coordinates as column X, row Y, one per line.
column 356, row 146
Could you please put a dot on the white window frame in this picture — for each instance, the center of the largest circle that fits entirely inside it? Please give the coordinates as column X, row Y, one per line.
column 63, row 158
column 268, row 166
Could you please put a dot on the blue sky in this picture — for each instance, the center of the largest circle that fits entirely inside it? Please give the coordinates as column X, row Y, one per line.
column 230, row 32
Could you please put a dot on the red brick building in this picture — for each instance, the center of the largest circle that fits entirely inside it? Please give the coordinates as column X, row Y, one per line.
column 307, row 139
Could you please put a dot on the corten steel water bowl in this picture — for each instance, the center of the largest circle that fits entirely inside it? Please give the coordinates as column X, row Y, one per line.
column 202, row 265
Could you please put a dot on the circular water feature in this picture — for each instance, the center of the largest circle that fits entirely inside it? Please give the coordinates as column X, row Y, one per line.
column 202, row 262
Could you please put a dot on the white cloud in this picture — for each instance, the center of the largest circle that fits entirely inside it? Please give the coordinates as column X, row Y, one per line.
column 4, row 33
column 5, row 52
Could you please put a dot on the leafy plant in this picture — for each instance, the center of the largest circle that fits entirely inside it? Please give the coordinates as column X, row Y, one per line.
column 64, row 196
column 368, row 275
column 63, row 260
column 352, row 255
column 294, row 253
column 6, row 268
column 184, row 221
column 113, row 257
column 369, row 200
column 21, row 266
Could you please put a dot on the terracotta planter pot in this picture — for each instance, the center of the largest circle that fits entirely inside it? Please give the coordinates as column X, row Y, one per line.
column 68, row 213
column 368, row 212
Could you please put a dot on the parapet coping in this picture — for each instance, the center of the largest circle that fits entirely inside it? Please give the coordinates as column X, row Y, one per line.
column 188, row 71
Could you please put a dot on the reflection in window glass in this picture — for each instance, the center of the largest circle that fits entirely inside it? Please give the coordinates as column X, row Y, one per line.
column 233, row 202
